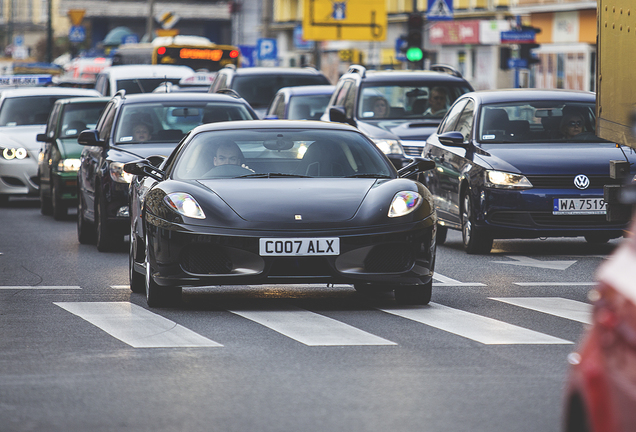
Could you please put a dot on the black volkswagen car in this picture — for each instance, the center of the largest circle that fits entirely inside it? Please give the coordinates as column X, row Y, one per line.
column 522, row 164
column 133, row 127
column 280, row 202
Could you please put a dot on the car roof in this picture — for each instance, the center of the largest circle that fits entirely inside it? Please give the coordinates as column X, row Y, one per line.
column 44, row 91
column 409, row 76
column 147, row 71
column 264, row 70
column 275, row 124
column 516, row 95
column 95, row 100
column 308, row 90
column 181, row 96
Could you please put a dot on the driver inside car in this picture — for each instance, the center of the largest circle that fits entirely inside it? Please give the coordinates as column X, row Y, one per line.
column 228, row 153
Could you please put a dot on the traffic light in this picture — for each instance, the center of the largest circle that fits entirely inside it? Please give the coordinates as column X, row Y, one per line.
column 525, row 53
column 414, row 53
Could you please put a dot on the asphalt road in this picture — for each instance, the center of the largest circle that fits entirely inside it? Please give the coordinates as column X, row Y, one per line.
column 80, row 352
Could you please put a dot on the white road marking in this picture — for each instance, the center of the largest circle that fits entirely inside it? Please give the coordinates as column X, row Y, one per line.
column 41, row 287
column 121, row 287
column 476, row 327
column 136, row 326
column 310, row 328
column 555, row 283
column 446, row 281
column 557, row 306
column 531, row 262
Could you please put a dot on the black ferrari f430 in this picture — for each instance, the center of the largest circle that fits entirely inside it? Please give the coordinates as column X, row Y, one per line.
column 280, row 202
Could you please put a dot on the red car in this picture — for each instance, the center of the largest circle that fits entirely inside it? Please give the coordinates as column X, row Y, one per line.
column 601, row 392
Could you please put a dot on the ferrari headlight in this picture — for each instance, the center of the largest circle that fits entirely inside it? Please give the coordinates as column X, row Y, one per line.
column 68, row 165
column 14, row 153
column 184, row 204
column 404, row 203
column 118, row 174
column 504, row 180
column 389, row 146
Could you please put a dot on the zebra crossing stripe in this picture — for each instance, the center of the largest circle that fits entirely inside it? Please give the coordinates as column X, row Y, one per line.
column 557, row 306
column 136, row 326
column 41, row 287
column 446, row 281
column 481, row 329
column 310, row 328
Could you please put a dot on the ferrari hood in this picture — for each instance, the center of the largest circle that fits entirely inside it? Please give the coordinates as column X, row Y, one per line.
column 539, row 159
column 314, row 199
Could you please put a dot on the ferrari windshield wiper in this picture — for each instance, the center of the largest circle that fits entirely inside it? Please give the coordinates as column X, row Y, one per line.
column 367, row 175
column 271, row 175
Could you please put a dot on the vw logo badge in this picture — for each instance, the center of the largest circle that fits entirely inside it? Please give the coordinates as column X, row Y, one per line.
column 581, row 181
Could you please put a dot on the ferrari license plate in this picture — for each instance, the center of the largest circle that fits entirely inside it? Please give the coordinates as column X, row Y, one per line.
column 305, row 246
column 579, row 206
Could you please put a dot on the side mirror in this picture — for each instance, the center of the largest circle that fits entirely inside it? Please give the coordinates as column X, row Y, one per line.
column 143, row 168
column 90, row 137
column 417, row 165
column 43, row 138
column 452, row 139
column 339, row 114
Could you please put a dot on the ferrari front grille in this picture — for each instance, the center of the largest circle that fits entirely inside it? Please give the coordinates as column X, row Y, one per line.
column 205, row 259
column 389, row 258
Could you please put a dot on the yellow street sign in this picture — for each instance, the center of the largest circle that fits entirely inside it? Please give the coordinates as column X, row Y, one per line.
column 167, row 32
column 344, row 20
column 76, row 16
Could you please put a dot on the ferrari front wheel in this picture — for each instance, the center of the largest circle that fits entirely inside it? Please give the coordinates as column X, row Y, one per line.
column 136, row 279
column 156, row 295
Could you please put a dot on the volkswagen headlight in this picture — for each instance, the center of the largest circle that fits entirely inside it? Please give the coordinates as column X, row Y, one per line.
column 14, row 153
column 389, row 146
column 68, row 165
column 505, row 180
column 404, row 203
column 118, row 174
column 184, row 204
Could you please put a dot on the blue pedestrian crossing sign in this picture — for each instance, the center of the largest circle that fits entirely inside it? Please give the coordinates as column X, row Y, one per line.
column 76, row 34
column 439, row 10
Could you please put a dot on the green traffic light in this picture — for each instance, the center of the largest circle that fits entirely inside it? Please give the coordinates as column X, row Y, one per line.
column 414, row 54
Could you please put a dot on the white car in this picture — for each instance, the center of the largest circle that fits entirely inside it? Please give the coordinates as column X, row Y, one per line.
column 138, row 78
column 23, row 115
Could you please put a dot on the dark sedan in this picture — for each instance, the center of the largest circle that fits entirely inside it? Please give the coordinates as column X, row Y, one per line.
column 133, row 127
column 280, row 202
column 521, row 164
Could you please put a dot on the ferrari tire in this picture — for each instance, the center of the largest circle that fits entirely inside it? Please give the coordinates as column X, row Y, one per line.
column 414, row 294
column 58, row 207
column 45, row 203
column 156, row 295
column 597, row 238
column 137, row 280
column 442, row 232
column 85, row 229
column 474, row 240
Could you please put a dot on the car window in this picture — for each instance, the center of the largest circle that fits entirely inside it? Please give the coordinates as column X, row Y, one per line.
column 219, row 82
column 279, row 153
column 169, row 122
column 279, row 106
column 537, row 121
column 258, row 90
column 52, row 122
column 427, row 100
column 307, row 107
column 27, row 110
column 105, row 123
column 449, row 122
column 341, row 93
column 78, row 117
column 465, row 122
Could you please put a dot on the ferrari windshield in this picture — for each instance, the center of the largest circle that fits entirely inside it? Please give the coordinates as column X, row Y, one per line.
column 280, row 153
column 537, row 121
column 169, row 122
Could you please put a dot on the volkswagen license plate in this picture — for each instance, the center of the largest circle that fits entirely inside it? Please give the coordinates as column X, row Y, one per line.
column 579, row 206
column 299, row 246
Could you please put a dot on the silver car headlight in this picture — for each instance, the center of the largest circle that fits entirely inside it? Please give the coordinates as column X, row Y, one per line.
column 68, row 165
column 389, row 146
column 184, row 204
column 505, row 180
column 14, row 153
column 118, row 174
column 404, row 203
